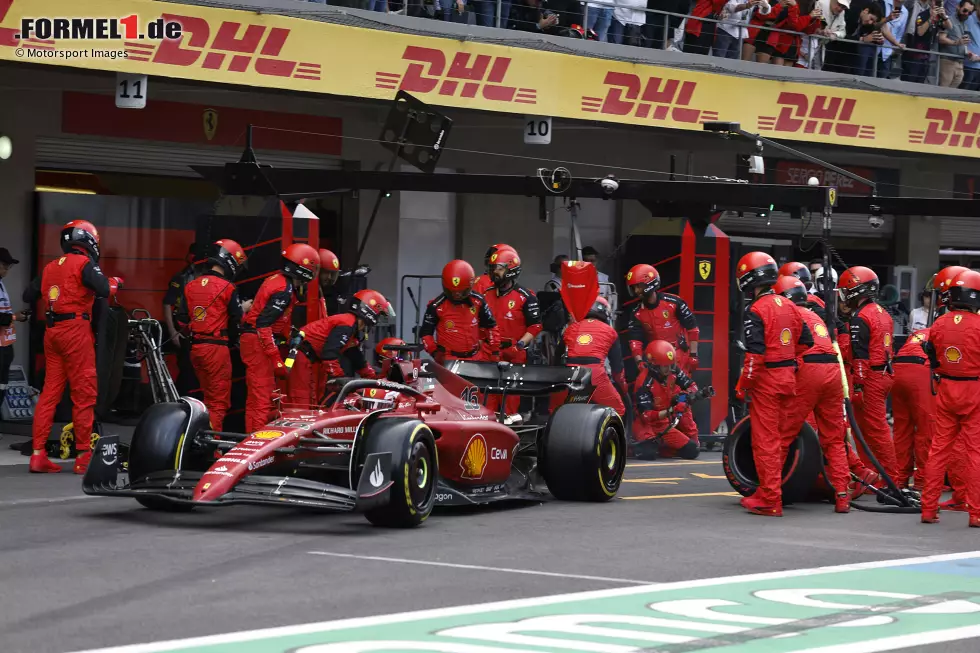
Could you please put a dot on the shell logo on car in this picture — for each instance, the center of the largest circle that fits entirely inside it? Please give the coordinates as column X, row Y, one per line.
column 474, row 460
column 268, row 435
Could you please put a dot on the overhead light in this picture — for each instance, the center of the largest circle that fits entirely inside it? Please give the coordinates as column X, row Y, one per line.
column 6, row 147
column 61, row 189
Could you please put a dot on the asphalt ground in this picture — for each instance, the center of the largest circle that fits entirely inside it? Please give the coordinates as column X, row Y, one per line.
column 80, row 573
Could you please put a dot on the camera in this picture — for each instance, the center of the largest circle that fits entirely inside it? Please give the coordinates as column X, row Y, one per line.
column 609, row 184
column 875, row 221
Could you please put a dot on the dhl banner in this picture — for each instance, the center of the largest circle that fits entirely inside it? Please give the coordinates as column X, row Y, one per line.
column 244, row 48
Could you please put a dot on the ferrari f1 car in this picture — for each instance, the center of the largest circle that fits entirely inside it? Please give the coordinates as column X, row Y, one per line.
column 392, row 449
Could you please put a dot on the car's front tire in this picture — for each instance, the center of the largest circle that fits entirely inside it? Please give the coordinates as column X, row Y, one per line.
column 414, row 471
column 157, row 446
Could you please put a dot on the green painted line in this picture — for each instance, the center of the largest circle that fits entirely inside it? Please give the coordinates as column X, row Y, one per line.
column 859, row 608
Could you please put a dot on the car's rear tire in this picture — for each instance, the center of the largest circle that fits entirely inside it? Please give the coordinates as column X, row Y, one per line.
column 801, row 472
column 582, row 453
column 414, row 471
column 156, row 447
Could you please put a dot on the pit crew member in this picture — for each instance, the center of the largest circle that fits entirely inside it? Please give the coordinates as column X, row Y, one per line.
column 484, row 282
column 913, row 409
column 588, row 344
column 270, row 316
column 661, row 316
column 661, row 392
column 459, row 322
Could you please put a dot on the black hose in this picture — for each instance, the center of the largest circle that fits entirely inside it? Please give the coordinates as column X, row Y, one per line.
column 903, row 506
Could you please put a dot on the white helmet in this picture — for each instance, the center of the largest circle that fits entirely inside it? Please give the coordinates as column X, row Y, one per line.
column 818, row 280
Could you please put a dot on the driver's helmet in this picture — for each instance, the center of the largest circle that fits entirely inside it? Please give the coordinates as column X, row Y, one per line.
column 371, row 399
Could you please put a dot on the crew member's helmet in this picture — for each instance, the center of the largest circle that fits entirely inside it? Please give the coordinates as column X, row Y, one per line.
column 661, row 352
column 600, row 311
column 229, row 255
column 756, row 269
column 858, row 282
column 642, row 280
column 457, row 280
column 791, row 288
column 943, row 280
column 80, row 234
column 964, row 291
column 798, row 270
column 370, row 306
column 488, row 258
column 818, row 279
column 329, row 265
column 508, row 259
column 384, row 354
column 301, row 261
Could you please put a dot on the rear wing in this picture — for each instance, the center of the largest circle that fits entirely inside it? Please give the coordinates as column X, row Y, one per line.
column 524, row 380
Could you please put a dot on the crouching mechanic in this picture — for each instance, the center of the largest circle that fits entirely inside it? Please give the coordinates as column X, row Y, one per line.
column 661, row 393
column 773, row 328
column 213, row 310
column 69, row 285
column 819, row 391
column 458, row 322
column 518, row 319
column 954, row 353
column 588, row 344
column 661, row 316
column 269, row 317
column 325, row 341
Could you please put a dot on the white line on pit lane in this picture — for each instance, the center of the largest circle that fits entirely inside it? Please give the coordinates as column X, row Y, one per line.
column 27, row 502
column 505, row 570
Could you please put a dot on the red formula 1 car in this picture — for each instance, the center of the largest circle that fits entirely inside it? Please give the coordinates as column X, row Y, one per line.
column 392, row 449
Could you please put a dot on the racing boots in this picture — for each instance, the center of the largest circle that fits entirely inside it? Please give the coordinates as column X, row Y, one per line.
column 953, row 505
column 930, row 517
column 82, row 460
column 862, row 484
column 757, row 507
column 41, row 464
column 842, row 503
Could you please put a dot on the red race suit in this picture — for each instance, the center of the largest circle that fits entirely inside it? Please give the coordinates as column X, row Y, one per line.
column 670, row 319
column 871, row 355
column 588, row 344
column 483, row 284
column 455, row 330
column 913, row 408
column 212, row 309
column 654, row 394
column 68, row 286
column 324, row 342
column 517, row 314
column 954, row 351
column 270, row 315
column 820, row 391
column 773, row 329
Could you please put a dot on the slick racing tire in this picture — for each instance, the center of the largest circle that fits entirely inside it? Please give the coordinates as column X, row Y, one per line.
column 582, row 453
column 801, row 473
column 414, row 471
column 155, row 447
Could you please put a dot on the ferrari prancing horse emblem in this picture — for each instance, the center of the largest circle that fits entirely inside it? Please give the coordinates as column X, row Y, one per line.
column 704, row 269
column 210, row 123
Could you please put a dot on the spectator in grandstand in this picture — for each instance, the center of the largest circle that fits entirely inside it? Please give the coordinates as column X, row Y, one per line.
column 892, row 31
column 971, row 67
column 699, row 35
column 659, row 30
column 598, row 18
column 833, row 25
column 486, row 12
column 736, row 15
column 953, row 40
column 925, row 19
column 627, row 23
column 783, row 47
column 533, row 16
column 868, row 32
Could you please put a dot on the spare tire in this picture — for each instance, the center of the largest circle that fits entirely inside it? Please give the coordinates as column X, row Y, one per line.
column 801, row 474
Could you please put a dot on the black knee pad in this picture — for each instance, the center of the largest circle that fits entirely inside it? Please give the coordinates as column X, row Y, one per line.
column 689, row 451
column 646, row 450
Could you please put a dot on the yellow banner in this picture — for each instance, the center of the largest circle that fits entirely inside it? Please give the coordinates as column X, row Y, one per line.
column 238, row 47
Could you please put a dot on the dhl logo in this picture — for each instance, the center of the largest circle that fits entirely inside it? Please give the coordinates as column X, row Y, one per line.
column 667, row 98
column 943, row 129
column 461, row 78
column 233, row 42
column 825, row 115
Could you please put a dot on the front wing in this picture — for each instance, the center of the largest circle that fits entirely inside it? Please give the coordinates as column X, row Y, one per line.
column 108, row 475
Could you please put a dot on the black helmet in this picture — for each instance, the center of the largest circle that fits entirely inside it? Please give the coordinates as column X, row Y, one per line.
column 80, row 234
column 228, row 254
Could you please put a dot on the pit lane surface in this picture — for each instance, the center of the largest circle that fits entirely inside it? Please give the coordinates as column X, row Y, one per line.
column 82, row 573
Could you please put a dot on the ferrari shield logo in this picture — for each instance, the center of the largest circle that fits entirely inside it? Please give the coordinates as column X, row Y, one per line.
column 779, row 302
column 832, row 196
column 455, row 281
column 957, row 319
column 704, row 269
column 210, row 123
column 204, row 282
column 670, row 355
column 629, row 275
column 511, row 304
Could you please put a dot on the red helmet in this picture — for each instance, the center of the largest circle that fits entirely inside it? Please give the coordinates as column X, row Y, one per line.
column 796, row 269
column 791, row 288
column 329, row 260
column 383, row 353
column 600, row 311
column 964, row 291
column 643, row 275
column 661, row 352
column 457, row 280
column 507, row 258
column 300, row 260
column 756, row 269
column 229, row 255
column 857, row 282
column 370, row 305
column 493, row 249
column 943, row 279
column 80, row 234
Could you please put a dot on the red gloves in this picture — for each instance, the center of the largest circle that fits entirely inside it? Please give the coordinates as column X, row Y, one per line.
column 753, row 365
column 280, row 370
column 115, row 284
column 692, row 363
column 857, row 397
column 367, row 372
column 430, row 344
column 680, row 408
column 620, row 380
column 333, row 369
